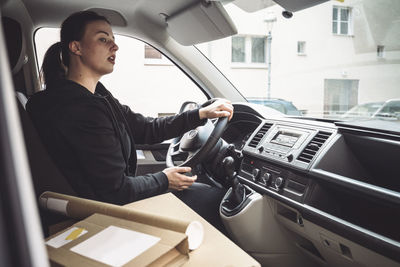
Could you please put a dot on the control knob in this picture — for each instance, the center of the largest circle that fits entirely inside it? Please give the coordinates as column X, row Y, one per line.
column 279, row 182
column 265, row 178
column 256, row 174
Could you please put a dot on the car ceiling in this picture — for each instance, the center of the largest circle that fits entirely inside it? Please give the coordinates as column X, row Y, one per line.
column 141, row 17
column 131, row 9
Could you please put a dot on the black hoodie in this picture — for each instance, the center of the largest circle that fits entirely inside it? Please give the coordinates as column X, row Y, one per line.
column 91, row 138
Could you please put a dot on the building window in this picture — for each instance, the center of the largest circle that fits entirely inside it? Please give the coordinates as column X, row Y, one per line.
column 301, row 48
column 341, row 20
column 238, row 49
column 379, row 51
column 153, row 57
column 249, row 50
column 150, row 52
column 339, row 96
column 258, row 50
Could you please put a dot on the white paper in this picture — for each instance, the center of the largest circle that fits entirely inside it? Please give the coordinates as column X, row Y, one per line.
column 115, row 246
column 61, row 239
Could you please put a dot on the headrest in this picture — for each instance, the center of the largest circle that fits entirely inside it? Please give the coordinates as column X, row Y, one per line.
column 15, row 44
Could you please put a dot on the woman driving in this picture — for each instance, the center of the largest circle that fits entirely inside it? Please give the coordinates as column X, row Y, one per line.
column 91, row 136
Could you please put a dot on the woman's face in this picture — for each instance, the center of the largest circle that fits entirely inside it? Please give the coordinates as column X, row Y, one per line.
column 98, row 48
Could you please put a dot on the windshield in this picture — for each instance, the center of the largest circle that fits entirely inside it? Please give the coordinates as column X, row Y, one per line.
column 338, row 60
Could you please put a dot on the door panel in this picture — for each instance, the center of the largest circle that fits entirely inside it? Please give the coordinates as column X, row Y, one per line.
column 151, row 158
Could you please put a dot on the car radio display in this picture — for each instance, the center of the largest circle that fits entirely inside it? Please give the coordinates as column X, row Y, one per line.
column 285, row 138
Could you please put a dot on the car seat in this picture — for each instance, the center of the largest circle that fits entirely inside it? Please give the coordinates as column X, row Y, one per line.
column 45, row 174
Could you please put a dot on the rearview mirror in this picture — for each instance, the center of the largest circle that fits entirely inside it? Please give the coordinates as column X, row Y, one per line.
column 188, row 105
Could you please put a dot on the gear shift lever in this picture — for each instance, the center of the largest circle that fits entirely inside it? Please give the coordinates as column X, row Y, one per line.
column 238, row 191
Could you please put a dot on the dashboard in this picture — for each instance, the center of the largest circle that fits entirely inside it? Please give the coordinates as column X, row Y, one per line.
column 342, row 177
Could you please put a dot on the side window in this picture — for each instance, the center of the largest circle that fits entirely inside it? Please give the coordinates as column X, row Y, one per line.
column 143, row 78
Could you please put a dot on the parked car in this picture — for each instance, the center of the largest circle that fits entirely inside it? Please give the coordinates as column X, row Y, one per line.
column 389, row 109
column 307, row 191
column 286, row 107
column 366, row 110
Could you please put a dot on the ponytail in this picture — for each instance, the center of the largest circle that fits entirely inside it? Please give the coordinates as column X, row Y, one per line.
column 53, row 69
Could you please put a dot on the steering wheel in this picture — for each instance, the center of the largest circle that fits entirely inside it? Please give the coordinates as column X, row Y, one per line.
column 197, row 143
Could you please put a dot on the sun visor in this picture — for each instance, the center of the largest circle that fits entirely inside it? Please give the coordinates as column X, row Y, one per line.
column 296, row 5
column 289, row 5
column 253, row 5
column 202, row 22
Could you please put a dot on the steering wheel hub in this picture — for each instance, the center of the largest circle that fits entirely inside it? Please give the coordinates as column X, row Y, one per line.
column 197, row 143
column 190, row 141
column 192, row 134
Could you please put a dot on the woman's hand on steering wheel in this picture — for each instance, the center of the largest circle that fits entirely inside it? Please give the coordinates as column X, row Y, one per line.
column 196, row 144
column 219, row 108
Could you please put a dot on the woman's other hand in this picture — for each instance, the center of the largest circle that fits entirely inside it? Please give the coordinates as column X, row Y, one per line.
column 220, row 108
column 177, row 179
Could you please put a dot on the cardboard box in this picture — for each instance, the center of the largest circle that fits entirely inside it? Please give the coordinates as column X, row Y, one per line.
column 80, row 208
column 164, row 211
column 216, row 249
column 171, row 249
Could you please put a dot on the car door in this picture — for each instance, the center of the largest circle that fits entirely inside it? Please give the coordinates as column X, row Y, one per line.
column 21, row 238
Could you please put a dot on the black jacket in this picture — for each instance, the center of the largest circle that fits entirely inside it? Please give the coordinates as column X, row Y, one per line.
column 91, row 138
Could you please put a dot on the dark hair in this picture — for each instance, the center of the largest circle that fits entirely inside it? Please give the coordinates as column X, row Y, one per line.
column 56, row 60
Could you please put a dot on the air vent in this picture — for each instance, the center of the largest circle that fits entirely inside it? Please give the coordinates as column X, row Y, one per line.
column 257, row 138
column 312, row 148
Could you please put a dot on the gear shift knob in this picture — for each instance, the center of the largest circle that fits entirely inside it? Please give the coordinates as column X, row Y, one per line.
column 229, row 166
column 237, row 188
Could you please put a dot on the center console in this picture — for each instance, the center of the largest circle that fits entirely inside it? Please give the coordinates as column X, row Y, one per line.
column 273, row 177
column 283, row 142
column 277, row 156
column 335, row 189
